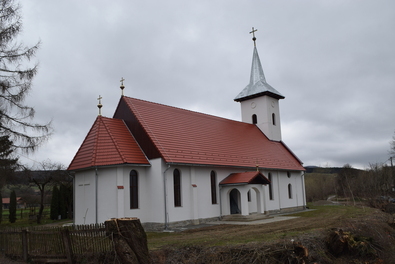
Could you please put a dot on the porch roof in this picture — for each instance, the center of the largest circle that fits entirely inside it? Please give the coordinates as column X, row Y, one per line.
column 248, row 177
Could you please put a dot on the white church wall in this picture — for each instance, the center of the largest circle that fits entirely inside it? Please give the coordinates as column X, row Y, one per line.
column 274, row 203
column 263, row 107
column 252, row 203
column 150, row 192
column 183, row 212
column 206, row 209
column 85, row 198
column 107, row 194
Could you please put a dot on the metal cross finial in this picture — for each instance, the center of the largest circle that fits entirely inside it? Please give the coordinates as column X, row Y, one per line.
column 122, row 86
column 253, row 35
column 99, row 105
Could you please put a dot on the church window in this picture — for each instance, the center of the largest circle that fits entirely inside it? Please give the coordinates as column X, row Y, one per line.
column 288, row 174
column 177, row 187
column 249, row 195
column 274, row 119
column 289, row 191
column 270, row 187
column 134, row 189
column 254, row 119
column 213, row 180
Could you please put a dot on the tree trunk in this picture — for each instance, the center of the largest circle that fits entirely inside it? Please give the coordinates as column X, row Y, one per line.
column 129, row 239
column 40, row 212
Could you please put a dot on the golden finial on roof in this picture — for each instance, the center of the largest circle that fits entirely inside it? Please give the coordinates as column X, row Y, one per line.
column 99, row 105
column 253, row 35
column 122, row 86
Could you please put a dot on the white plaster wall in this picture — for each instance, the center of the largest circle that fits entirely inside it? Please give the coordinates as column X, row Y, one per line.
column 205, row 207
column 196, row 201
column 84, row 198
column 252, row 205
column 151, row 192
column 107, row 194
column 275, row 203
column 263, row 107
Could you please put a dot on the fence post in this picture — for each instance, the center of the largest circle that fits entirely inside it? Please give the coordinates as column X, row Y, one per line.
column 24, row 245
column 67, row 245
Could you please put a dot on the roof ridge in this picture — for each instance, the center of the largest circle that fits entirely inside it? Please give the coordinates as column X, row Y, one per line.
column 161, row 148
column 138, row 144
column 114, row 141
column 184, row 109
column 95, row 146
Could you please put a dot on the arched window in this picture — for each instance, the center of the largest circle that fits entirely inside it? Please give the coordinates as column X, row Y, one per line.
column 274, row 119
column 177, row 187
column 134, row 189
column 270, row 187
column 288, row 174
column 289, row 191
column 213, row 180
column 249, row 196
column 254, row 119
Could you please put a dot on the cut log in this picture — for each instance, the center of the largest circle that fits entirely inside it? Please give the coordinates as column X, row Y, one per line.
column 130, row 240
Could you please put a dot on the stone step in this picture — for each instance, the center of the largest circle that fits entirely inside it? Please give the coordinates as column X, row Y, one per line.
column 245, row 218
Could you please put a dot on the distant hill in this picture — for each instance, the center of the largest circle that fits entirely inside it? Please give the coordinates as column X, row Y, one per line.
column 327, row 170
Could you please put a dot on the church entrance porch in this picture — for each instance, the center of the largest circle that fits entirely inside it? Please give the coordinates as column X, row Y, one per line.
column 234, row 198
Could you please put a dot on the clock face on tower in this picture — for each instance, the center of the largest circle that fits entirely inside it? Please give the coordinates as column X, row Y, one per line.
column 273, row 103
column 253, row 105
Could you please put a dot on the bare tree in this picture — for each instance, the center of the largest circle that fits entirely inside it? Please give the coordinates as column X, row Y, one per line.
column 46, row 173
column 15, row 82
column 392, row 146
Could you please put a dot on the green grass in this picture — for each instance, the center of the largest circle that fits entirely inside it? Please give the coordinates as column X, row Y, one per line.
column 22, row 220
column 320, row 217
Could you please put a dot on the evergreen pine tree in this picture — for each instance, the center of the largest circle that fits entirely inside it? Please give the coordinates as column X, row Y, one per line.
column 12, row 216
column 55, row 202
column 63, row 197
column 8, row 162
column 1, row 208
column 16, row 81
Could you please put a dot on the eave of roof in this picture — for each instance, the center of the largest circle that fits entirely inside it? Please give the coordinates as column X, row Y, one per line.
column 242, row 178
column 109, row 142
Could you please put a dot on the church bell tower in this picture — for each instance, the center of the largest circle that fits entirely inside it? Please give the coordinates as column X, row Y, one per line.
column 259, row 101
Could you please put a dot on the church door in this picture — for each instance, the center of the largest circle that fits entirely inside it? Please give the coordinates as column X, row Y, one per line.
column 234, row 198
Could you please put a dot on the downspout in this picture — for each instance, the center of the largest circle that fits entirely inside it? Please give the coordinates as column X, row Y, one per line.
column 303, row 192
column 96, row 187
column 73, row 197
column 220, row 202
column 165, row 193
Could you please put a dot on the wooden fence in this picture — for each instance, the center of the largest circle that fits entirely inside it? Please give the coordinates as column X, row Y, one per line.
column 56, row 244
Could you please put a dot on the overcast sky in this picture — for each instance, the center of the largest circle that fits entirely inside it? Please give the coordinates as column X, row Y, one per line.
column 334, row 61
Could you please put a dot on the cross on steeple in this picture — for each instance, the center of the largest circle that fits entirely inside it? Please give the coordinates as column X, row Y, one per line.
column 122, row 86
column 99, row 105
column 253, row 35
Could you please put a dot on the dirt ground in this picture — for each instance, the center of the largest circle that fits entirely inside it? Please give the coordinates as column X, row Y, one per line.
column 369, row 239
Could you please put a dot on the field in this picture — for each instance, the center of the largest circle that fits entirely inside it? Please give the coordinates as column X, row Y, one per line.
column 368, row 233
column 272, row 242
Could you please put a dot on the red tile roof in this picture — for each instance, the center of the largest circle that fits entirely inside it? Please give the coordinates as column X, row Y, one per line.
column 109, row 142
column 187, row 137
column 250, row 177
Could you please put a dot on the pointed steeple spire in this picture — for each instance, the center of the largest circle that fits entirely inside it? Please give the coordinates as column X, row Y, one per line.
column 258, row 85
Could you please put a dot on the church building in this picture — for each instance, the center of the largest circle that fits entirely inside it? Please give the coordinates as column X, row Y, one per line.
column 170, row 166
